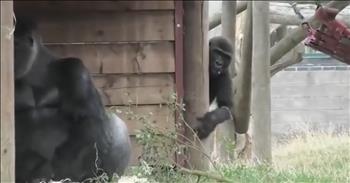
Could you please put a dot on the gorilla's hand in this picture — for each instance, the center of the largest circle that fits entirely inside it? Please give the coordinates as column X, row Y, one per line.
column 207, row 123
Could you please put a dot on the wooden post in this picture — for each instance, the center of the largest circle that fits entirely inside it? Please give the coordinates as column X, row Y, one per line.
column 7, row 94
column 225, row 132
column 196, row 77
column 261, row 99
column 216, row 19
column 243, row 79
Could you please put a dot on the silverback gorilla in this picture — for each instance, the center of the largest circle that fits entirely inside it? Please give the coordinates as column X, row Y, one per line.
column 62, row 128
column 220, row 87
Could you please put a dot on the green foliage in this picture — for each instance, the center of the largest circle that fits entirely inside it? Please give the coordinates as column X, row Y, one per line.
column 159, row 146
column 317, row 158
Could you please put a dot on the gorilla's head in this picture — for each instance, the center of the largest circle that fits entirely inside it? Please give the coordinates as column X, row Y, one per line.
column 220, row 53
column 26, row 46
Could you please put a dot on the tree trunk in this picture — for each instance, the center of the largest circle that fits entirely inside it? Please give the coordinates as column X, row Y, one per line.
column 7, row 94
column 261, row 98
column 225, row 132
column 299, row 34
column 196, row 77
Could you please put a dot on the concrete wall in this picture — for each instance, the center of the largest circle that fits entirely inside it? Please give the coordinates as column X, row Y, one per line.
column 310, row 100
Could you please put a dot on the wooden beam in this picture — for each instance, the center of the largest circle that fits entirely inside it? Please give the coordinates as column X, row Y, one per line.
column 299, row 34
column 225, row 132
column 196, row 77
column 302, row 2
column 288, row 61
column 278, row 34
column 292, row 57
column 216, row 19
column 243, row 79
column 261, row 95
column 7, row 94
column 276, row 17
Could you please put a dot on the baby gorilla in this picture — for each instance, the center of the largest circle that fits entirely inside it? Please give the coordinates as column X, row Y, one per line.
column 220, row 87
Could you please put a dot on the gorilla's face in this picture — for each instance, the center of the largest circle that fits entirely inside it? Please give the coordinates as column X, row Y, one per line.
column 218, row 62
column 26, row 50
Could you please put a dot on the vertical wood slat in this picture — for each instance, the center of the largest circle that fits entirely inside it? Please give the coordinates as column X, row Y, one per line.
column 226, row 130
column 179, row 28
column 7, row 95
column 196, row 77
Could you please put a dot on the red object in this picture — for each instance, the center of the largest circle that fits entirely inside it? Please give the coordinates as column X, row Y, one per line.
column 332, row 37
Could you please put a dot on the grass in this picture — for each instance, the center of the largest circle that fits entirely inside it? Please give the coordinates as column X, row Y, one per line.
column 319, row 158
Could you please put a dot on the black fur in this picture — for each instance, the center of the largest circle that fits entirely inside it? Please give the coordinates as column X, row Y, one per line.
column 60, row 121
column 220, row 86
column 210, row 120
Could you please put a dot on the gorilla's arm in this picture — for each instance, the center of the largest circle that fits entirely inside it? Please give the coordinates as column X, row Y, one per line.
column 210, row 120
column 79, row 97
column 92, row 130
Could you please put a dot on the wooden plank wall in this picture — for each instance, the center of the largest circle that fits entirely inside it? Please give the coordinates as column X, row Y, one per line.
column 128, row 46
column 7, row 113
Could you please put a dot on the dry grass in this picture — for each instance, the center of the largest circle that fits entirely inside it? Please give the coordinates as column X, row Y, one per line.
column 321, row 155
column 311, row 158
column 317, row 158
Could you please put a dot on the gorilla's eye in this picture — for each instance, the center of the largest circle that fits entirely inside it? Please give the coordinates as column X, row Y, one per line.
column 219, row 62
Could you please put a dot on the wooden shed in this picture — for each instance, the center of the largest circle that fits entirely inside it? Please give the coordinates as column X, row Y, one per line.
column 131, row 49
